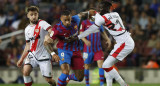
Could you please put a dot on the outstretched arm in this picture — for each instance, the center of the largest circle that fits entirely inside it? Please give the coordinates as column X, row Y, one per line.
column 92, row 29
column 24, row 54
column 48, row 42
column 108, row 41
column 99, row 20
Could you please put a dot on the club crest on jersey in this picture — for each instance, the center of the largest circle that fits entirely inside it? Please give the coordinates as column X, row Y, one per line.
column 75, row 27
column 36, row 30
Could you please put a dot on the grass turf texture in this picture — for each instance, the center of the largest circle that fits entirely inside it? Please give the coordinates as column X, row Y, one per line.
column 80, row 85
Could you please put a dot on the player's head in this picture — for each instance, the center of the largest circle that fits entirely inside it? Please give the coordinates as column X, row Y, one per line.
column 91, row 13
column 104, row 7
column 66, row 18
column 33, row 14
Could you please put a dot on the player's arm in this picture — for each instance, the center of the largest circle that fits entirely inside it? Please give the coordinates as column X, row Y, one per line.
column 83, row 15
column 87, row 42
column 82, row 29
column 24, row 54
column 105, row 36
column 48, row 44
column 99, row 20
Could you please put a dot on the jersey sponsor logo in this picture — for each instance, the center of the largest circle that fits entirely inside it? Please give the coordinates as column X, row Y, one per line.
column 75, row 27
column 33, row 38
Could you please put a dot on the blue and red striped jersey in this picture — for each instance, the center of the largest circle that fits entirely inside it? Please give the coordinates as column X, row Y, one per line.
column 94, row 38
column 61, row 32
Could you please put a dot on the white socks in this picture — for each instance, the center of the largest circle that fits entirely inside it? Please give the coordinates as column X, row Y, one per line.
column 109, row 79
column 114, row 74
column 27, row 79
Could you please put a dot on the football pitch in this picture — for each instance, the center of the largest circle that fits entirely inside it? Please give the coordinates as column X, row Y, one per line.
column 80, row 85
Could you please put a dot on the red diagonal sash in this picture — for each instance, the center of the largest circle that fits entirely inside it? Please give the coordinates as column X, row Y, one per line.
column 36, row 36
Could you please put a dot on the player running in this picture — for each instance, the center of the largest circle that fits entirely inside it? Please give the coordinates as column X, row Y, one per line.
column 92, row 49
column 124, row 43
column 34, row 50
column 69, row 53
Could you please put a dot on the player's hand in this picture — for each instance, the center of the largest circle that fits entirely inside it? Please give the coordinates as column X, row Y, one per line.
column 56, row 58
column 88, row 43
column 19, row 63
column 71, row 39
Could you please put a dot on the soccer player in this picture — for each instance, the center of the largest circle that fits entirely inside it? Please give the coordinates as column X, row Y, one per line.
column 35, row 52
column 92, row 49
column 69, row 53
column 124, row 43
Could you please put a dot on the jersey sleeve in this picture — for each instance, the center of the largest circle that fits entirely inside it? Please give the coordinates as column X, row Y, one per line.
column 99, row 20
column 26, row 36
column 82, row 28
column 45, row 25
column 76, row 19
column 54, row 33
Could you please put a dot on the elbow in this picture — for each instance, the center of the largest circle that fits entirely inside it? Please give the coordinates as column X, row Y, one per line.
column 45, row 43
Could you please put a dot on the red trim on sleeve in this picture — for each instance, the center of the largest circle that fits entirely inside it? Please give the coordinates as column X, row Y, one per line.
column 48, row 28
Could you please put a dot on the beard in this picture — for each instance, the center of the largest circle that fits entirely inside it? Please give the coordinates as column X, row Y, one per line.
column 34, row 21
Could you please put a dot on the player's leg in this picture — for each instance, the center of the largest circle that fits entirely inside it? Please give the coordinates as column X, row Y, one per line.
column 26, row 74
column 112, row 73
column 99, row 57
column 101, row 72
column 27, row 68
column 88, row 58
column 46, row 70
column 65, row 67
column 65, row 61
column 86, row 73
column 50, row 81
column 77, row 64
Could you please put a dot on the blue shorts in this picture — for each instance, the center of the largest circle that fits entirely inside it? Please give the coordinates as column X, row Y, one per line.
column 90, row 56
column 73, row 58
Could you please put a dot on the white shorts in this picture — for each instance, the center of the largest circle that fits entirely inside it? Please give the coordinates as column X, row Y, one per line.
column 121, row 50
column 45, row 66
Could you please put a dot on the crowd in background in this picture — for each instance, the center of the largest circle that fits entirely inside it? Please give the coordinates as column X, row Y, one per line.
column 141, row 19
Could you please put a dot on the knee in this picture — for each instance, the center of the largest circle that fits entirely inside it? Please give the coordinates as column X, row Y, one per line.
column 65, row 72
column 106, row 64
column 86, row 66
column 26, row 73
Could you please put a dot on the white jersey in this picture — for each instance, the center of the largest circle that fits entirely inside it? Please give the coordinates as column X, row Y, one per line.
column 118, row 29
column 35, row 35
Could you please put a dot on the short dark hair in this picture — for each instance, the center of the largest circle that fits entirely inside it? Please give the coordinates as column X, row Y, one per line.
column 32, row 8
column 106, row 4
column 65, row 12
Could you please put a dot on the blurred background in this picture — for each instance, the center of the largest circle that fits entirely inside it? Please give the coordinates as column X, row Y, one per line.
column 140, row 17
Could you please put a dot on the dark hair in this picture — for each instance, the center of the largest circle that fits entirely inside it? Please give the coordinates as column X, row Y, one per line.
column 65, row 12
column 104, row 7
column 106, row 4
column 32, row 8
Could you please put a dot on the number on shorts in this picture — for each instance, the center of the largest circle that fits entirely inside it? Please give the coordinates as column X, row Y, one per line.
column 62, row 54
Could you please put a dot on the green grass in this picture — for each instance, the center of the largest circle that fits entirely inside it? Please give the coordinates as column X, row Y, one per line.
column 79, row 85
